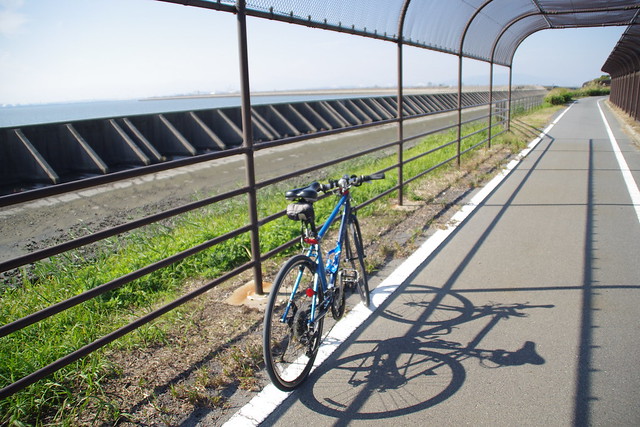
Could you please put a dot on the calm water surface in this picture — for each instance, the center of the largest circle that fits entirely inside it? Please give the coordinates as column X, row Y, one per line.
column 22, row 115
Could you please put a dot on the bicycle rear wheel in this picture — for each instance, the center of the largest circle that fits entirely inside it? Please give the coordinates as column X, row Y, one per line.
column 355, row 273
column 290, row 342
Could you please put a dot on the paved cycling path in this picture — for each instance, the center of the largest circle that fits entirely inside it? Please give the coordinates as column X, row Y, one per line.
column 526, row 313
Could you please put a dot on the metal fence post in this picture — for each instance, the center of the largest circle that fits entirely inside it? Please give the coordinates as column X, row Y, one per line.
column 509, row 98
column 636, row 114
column 400, row 127
column 490, row 104
column 459, row 108
column 634, row 96
column 403, row 15
column 247, row 135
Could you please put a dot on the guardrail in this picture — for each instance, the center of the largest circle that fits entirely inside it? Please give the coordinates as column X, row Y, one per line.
column 499, row 111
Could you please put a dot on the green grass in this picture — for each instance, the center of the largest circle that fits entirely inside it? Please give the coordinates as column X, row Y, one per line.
column 560, row 96
column 70, row 390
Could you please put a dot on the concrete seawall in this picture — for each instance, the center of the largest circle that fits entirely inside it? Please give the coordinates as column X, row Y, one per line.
column 41, row 155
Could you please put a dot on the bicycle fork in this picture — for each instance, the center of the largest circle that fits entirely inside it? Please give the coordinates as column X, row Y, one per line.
column 312, row 319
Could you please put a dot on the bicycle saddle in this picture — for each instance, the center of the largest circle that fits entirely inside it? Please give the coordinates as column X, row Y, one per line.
column 308, row 194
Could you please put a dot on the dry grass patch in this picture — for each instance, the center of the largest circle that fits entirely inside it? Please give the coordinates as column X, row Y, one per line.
column 210, row 358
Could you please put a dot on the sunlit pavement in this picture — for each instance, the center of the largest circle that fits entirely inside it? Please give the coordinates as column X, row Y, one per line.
column 523, row 314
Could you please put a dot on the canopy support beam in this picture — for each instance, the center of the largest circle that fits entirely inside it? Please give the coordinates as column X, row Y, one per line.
column 247, row 136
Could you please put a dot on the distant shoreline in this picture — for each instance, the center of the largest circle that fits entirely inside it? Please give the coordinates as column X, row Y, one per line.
column 381, row 91
column 355, row 91
column 25, row 115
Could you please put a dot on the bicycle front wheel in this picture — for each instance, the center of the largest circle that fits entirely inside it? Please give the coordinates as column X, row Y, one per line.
column 355, row 273
column 290, row 340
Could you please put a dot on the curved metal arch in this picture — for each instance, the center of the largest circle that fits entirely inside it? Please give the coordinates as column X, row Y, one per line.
column 619, row 66
column 540, row 13
column 519, row 42
column 217, row 5
column 628, row 61
column 628, row 41
column 441, row 49
column 630, row 54
column 517, row 46
column 630, row 51
column 512, row 23
column 402, row 19
column 469, row 22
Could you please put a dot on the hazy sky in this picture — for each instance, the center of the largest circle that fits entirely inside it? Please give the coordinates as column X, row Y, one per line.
column 70, row 50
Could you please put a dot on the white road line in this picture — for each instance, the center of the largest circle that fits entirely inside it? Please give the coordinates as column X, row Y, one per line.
column 265, row 402
column 632, row 186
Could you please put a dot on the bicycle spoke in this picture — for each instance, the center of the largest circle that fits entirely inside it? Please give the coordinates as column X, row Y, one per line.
column 295, row 311
column 290, row 340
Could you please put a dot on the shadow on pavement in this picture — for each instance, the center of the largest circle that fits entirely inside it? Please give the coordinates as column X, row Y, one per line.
column 387, row 380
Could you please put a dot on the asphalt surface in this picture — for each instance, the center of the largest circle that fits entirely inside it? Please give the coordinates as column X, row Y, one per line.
column 526, row 314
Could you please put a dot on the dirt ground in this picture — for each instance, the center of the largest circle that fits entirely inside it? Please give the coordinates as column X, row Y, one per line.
column 42, row 223
column 210, row 363
column 209, row 371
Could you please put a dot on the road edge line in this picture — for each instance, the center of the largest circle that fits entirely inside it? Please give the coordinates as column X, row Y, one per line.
column 267, row 400
column 629, row 181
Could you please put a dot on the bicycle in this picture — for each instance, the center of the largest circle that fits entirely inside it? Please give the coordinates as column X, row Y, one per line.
column 307, row 287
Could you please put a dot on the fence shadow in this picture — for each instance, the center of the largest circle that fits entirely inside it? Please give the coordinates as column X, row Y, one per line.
column 393, row 377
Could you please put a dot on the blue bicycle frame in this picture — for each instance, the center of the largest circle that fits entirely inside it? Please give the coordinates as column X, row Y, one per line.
column 333, row 258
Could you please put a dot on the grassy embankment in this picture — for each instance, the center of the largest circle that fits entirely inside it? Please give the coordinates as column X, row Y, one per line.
column 560, row 96
column 68, row 392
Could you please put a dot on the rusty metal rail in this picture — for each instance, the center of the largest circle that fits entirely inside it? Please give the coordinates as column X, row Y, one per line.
column 258, row 258
column 42, row 160
column 223, row 134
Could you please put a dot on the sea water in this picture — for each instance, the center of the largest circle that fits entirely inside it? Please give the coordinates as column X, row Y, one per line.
column 23, row 115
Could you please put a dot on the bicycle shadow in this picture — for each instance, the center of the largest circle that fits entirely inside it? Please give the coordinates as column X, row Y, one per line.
column 416, row 371
column 369, row 378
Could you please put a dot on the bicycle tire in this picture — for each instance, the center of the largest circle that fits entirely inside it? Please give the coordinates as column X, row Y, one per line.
column 355, row 259
column 290, row 346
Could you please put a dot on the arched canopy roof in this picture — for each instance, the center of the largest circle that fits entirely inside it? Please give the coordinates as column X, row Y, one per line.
column 625, row 57
column 487, row 30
